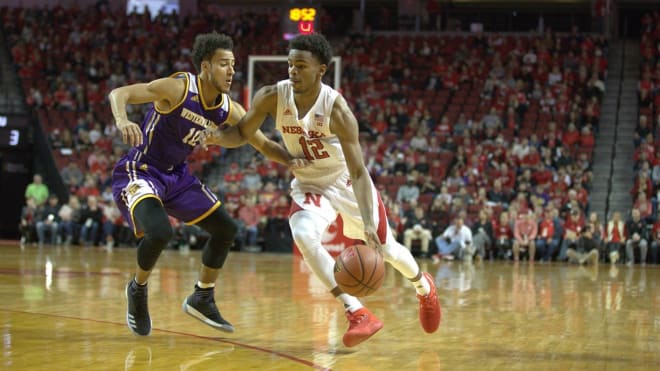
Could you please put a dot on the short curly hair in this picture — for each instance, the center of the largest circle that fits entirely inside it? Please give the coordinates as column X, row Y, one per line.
column 314, row 43
column 206, row 44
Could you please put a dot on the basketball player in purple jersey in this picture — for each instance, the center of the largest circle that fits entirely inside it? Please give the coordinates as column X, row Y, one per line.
column 317, row 124
column 152, row 180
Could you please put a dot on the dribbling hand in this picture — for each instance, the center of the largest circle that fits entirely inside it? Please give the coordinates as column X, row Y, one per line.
column 130, row 132
column 371, row 237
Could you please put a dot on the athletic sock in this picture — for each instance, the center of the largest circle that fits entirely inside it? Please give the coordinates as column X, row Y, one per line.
column 205, row 285
column 351, row 303
column 422, row 286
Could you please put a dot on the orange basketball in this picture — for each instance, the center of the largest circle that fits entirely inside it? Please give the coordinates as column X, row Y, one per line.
column 360, row 270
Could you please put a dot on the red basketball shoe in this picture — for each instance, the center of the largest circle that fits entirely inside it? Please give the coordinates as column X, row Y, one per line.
column 429, row 308
column 362, row 324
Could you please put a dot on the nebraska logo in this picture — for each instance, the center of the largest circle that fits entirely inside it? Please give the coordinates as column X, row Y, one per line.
column 312, row 198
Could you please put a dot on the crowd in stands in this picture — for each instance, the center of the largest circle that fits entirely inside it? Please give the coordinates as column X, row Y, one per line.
column 645, row 191
column 67, row 70
column 492, row 133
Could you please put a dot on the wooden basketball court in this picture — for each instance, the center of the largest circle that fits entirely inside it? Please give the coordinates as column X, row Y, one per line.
column 64, row 308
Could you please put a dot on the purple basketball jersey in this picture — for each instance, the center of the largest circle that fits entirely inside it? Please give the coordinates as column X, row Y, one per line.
column 158, row 168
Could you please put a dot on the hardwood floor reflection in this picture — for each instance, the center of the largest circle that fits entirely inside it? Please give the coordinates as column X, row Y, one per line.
column 64, row 308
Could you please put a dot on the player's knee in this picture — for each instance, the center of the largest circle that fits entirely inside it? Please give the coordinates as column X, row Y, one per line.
column 306, row 237
column 160, row 234
column 220, row 226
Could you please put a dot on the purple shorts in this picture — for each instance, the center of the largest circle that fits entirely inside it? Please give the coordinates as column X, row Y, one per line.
column 182, row 194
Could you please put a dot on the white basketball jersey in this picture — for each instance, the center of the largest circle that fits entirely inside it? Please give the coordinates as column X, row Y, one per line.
column 310, row 137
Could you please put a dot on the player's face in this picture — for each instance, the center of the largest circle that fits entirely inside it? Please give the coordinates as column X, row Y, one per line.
column 305, row 71
column 221, row 70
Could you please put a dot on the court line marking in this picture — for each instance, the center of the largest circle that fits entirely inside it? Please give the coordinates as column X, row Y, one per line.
column 56, row 272
column 219, row 340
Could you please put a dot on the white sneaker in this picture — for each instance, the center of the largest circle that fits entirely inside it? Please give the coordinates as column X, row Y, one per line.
column 614, row 257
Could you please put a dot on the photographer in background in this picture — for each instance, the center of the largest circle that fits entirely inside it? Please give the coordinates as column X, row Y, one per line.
column 455, row 242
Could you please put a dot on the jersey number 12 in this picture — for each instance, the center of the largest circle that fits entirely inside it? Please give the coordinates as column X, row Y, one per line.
column 312, row 149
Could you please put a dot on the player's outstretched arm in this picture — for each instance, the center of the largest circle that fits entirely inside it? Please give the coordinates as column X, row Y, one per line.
column 344, row 124
column 269, row 148
column 165, row 93
column 263, row 104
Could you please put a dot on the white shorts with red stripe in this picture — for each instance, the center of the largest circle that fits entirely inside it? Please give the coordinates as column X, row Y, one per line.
column 339, row 199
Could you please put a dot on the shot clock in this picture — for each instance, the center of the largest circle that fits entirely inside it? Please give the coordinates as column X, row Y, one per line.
column 299, row 20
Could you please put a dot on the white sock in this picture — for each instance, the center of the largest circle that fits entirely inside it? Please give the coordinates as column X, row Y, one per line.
column 422, row 286
column 351, row 303
column 202, row 285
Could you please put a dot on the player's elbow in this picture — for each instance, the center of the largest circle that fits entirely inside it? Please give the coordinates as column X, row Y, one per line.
column 116, row 94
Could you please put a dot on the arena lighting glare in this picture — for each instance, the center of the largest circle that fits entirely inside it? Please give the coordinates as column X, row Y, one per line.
column 154, row 6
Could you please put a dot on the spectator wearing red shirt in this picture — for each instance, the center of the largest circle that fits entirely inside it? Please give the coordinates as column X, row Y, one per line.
column 572, row 228
column 587, row 139
column 234, row 175
column 582, row 195
column 450, row 79
column 232, row 198
column 251, row 220
column 645, row 208
column 547, row 241
column 615, row 237
column 525, row 232
column 380, row 124
column 645, row 85
column 506, row 176
column 642, row 184
column 443, row 128
column 531, row 159
column 88, row 189
column 571, row 136
column 268, row 195
column 542, row 175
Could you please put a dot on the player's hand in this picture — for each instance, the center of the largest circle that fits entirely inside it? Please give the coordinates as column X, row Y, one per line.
column 208, row 136
column 371, row 237
column 298, row 163
column 130, row 132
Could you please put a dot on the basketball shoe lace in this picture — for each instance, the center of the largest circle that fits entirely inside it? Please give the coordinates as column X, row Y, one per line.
column 356, row 318
column 204, row 301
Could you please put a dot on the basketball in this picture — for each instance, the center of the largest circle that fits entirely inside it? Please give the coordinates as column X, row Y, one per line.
column 360, row 270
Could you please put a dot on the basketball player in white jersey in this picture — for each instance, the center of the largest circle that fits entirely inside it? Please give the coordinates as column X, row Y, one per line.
column 317, row 125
